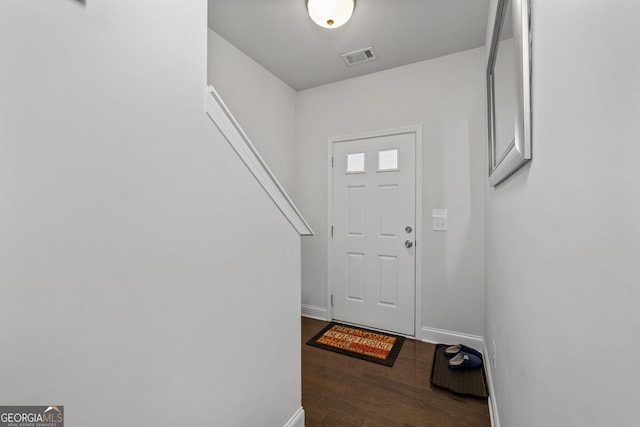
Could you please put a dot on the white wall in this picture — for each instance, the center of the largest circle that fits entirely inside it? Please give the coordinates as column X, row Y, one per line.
column 447, row 97
column 263, row 104
column 563, row 234
column 144, row 274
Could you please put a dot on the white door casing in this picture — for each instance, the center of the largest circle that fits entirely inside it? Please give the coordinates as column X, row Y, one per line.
column 372, row 202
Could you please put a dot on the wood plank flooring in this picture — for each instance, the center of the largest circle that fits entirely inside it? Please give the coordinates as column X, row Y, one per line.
column 342, row 391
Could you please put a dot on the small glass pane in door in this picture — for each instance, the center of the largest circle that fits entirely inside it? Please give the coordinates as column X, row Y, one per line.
column 355, row 163
column 388, row 160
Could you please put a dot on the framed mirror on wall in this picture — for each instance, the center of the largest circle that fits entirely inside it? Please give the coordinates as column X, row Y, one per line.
column 508, row 88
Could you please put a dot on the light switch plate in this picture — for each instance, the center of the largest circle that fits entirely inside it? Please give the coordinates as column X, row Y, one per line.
column 440, row 224
column 440, row 220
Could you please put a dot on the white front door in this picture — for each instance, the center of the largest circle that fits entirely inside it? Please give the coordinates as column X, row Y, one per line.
column 373, row 244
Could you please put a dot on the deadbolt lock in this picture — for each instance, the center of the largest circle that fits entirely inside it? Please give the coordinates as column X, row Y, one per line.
column 408, row 229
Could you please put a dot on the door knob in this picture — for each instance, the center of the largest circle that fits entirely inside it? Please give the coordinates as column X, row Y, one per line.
column 408, row 243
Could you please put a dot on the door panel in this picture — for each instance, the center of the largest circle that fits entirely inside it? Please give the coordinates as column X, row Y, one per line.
column 373, row 276
column 388, row 210
column 388, row 280
column 356, row 210
column 355, row 277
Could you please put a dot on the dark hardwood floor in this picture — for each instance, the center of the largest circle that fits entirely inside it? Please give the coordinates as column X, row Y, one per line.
column 339, row 390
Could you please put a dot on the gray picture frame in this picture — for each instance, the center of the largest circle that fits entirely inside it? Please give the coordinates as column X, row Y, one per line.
column 503, row 162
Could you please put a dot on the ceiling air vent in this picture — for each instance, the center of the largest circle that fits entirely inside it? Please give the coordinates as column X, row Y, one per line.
column 359, row 56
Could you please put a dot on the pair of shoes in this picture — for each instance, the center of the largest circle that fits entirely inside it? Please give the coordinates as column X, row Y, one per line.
column 452, row 350
column 463, row 357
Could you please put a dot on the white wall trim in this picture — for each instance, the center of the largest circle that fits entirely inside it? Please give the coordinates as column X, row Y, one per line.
column 297, row 420
column 315, row 312
column 233, row 133
column 419, row 229
column 435, row 336
column 493, row 405
column 417, row 130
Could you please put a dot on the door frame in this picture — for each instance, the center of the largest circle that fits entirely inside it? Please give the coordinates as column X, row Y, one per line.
column 417, row 131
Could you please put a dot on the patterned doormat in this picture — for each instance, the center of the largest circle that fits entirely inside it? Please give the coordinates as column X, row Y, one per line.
column 376, row 347
column 467, row 382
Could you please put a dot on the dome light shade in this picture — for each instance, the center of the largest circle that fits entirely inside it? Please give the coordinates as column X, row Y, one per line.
column 330, row 13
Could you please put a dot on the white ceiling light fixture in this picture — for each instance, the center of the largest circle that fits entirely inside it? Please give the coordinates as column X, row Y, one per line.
column 330, row 13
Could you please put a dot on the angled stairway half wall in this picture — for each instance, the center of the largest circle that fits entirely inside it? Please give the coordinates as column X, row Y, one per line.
column 219, row 113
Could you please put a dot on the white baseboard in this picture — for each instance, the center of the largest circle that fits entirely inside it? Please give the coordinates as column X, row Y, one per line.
column 436, row 336
column 315, row 312
column 493, row 405
column 297, row 420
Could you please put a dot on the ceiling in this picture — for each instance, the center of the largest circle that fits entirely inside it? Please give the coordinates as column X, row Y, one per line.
column 279, row 35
